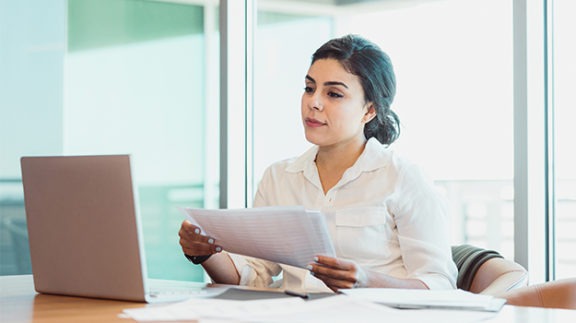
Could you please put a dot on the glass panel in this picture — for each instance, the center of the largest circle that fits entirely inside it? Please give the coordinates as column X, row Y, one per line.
column 284, row 44
column 31, row 76
column 454, row 100
column 565, row 101
column 135, row 81
column 463, row 142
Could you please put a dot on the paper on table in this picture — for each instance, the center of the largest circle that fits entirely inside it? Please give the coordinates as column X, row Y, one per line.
column 345, row 309
column 419, row 298
column 335, row 309
column 195, row 309
column 287, row 235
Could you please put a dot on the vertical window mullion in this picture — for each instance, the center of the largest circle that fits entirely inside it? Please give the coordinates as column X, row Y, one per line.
column 233, row 99
column 530, row 173
column 550, row 140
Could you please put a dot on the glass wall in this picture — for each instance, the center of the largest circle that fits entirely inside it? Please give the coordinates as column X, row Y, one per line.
column 115, row 77
column 454, row 100
column 564, row 99
column 284, row 43
column 142, row 77
column 31, row 100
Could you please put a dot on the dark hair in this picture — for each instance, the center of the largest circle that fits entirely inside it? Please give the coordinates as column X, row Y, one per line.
column 374, row 68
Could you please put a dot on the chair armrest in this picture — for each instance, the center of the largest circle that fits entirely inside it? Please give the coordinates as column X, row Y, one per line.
column 507, row 282
column 554, row 294
column 497, row 276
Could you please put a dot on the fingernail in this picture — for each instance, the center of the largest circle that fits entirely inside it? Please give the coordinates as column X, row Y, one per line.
column 211, row 241
column 309, row 267
column 197, row 231
column 316, row 259
column 218, row 249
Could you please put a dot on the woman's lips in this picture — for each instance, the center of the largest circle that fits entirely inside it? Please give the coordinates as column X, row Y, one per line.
column 310, row 122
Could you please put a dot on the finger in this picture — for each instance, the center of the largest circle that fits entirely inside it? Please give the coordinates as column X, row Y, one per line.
column 335, row 262
column 198, row 249
column 335, row 284
column 194, row 233
column 190, row 228
column 188, row 225
column 320, row 270
column 194, row 242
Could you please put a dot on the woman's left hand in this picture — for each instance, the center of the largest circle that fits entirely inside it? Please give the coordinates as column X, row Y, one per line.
column 337, row 273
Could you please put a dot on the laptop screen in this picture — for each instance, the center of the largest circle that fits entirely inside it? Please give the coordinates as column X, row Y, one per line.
column 84, row 231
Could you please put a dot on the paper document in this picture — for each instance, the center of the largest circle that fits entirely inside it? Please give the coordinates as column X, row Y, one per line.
column 335, row 309
column 287, row 235
column 423, row 298
column 195, row 309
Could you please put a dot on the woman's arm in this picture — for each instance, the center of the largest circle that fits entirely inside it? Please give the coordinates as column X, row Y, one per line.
column 340, row 274
column 423, row 225
column 221, row 269
column 219, row 266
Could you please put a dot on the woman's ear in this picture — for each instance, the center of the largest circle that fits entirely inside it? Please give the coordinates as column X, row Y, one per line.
column 370, row 113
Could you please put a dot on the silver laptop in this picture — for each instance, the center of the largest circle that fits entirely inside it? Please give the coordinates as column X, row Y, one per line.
column 85, row 233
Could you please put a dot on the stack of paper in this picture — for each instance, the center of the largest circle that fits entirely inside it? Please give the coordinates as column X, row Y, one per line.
column 196, row 309
column 287, row 235
column 433, row 299
column 335, row 309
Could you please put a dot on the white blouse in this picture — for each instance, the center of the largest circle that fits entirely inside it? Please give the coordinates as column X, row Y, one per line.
column 383, row 214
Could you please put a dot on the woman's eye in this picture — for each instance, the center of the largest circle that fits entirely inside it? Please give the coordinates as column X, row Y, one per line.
column 334, row 95
column 308, row 89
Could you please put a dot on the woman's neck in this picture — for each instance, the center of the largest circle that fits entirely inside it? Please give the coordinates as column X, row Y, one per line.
column 332, row 161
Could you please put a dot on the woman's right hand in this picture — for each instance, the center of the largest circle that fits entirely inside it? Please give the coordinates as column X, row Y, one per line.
column 194, row 243
column 220, row 266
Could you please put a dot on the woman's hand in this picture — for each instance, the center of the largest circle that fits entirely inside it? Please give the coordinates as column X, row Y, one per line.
column 219, row 267
column 337, row 273
column 194, row 243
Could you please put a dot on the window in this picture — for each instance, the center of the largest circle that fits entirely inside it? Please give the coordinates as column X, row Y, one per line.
column 31, row 97
column 129, row 77
column 284, row 45
column 142, row 77
column 564, row 99
column 454, row 100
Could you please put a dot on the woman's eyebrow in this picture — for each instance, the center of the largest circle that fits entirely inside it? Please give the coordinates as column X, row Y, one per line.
column 329, row 83
column 336, row 83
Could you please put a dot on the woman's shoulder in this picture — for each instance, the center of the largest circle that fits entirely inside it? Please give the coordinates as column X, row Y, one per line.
column 379, row 155
column 282, row 164
column 404, row 168
column 282, row 167
column 294, row 164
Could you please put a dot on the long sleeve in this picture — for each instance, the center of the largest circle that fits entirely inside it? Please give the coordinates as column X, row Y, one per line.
column 423, row 230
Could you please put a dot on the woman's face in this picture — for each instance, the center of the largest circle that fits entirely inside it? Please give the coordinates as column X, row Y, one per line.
column 333, row 106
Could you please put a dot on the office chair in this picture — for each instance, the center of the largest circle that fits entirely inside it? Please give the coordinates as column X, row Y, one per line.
column 487, row 272
column 554, row 294
column 484, row 271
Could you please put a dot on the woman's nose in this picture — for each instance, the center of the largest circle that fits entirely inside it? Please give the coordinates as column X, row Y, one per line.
column 315, row 103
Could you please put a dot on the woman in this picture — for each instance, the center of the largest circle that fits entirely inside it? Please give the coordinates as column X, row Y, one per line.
column 389, row 227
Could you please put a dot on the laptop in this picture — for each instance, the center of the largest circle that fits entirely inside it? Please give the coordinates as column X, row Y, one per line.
column 85, row 233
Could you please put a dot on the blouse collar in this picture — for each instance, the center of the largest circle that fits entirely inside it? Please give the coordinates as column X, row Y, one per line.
column 374, row 156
